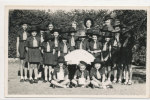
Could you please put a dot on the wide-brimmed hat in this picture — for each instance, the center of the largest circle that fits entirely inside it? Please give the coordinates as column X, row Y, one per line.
column 107, row 17
column 86, row 19
column 83, row 63
column 61, row 59
column 82, row 34
column 56, row 30
column 96, row 32
column 24, row 21
column 108, row 34
column 42, row 27
column 64, row 37
column 97, row 60
column 71, row 29
column 104, row 29
column 33, row 28
column 89, row 31
column 64, row 30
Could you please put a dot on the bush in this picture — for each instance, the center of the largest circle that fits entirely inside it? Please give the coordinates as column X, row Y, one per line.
column 137, row 19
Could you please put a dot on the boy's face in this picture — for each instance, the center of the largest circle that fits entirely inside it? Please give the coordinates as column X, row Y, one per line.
column 82, row 38
column 72, row 33
column 117, row 28
column 94, row 37
column 50, row 27
column 34, row 33
column 82, row 67
column 88, row 23
column 107, row 39
column 41, row 32
column 117, row 35
column 64, row 41
column 97, row 65
column 24, row 26
column 74, row 25
column 56, row 34
column 61, row 64
column 108, row 22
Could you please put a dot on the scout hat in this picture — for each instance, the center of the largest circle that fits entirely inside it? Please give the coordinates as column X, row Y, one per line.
column 86, row 19
column 104, row 29
column 24, row 21
column 97, row 60
column 42, row 27
column 64, row 37
column 89, row 31
column 107, row 18
column 56, row 30
column 82, row 34
column 33, row 28
column 83, row 63
column 72, row 30
column 64, row 30
column 61, row 59
column 108, row 34
column 96, row 32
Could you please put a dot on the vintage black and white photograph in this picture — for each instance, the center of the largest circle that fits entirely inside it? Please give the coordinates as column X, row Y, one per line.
column 76, row 52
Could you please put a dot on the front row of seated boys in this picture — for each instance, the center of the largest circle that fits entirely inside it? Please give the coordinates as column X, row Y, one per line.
column 82, row 78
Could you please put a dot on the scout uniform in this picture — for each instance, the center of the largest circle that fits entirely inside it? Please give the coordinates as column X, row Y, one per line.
column 56, row 42
column 23, row 35
column 95, row 46
column 60, row 75
column 81, row 78
column 42, row 38
column 106, row 49
column 48, row 49
column 34, row 54
column 64, row 47
column 97, row 74
column 82, row 42
column 72, row 39
column 116, row 46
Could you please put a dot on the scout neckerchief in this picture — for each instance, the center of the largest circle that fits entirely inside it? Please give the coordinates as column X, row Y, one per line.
column 35, row 42
column 105, row 46
column 60, row 74
column 82, row 74
column 126, row 41
column 72, row 41
column 81, row 43
column 24, row 35
column 48, row 47
column 98, row 74
column 56, row 42
column 116, row 42
column 95, row 45
column 65, row 48
column 42, row 39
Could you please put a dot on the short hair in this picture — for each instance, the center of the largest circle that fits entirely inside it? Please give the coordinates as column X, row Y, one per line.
column 74, row 22
column 86, row 19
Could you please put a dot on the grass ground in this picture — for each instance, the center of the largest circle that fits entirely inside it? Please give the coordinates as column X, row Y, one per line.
column 17, row 88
